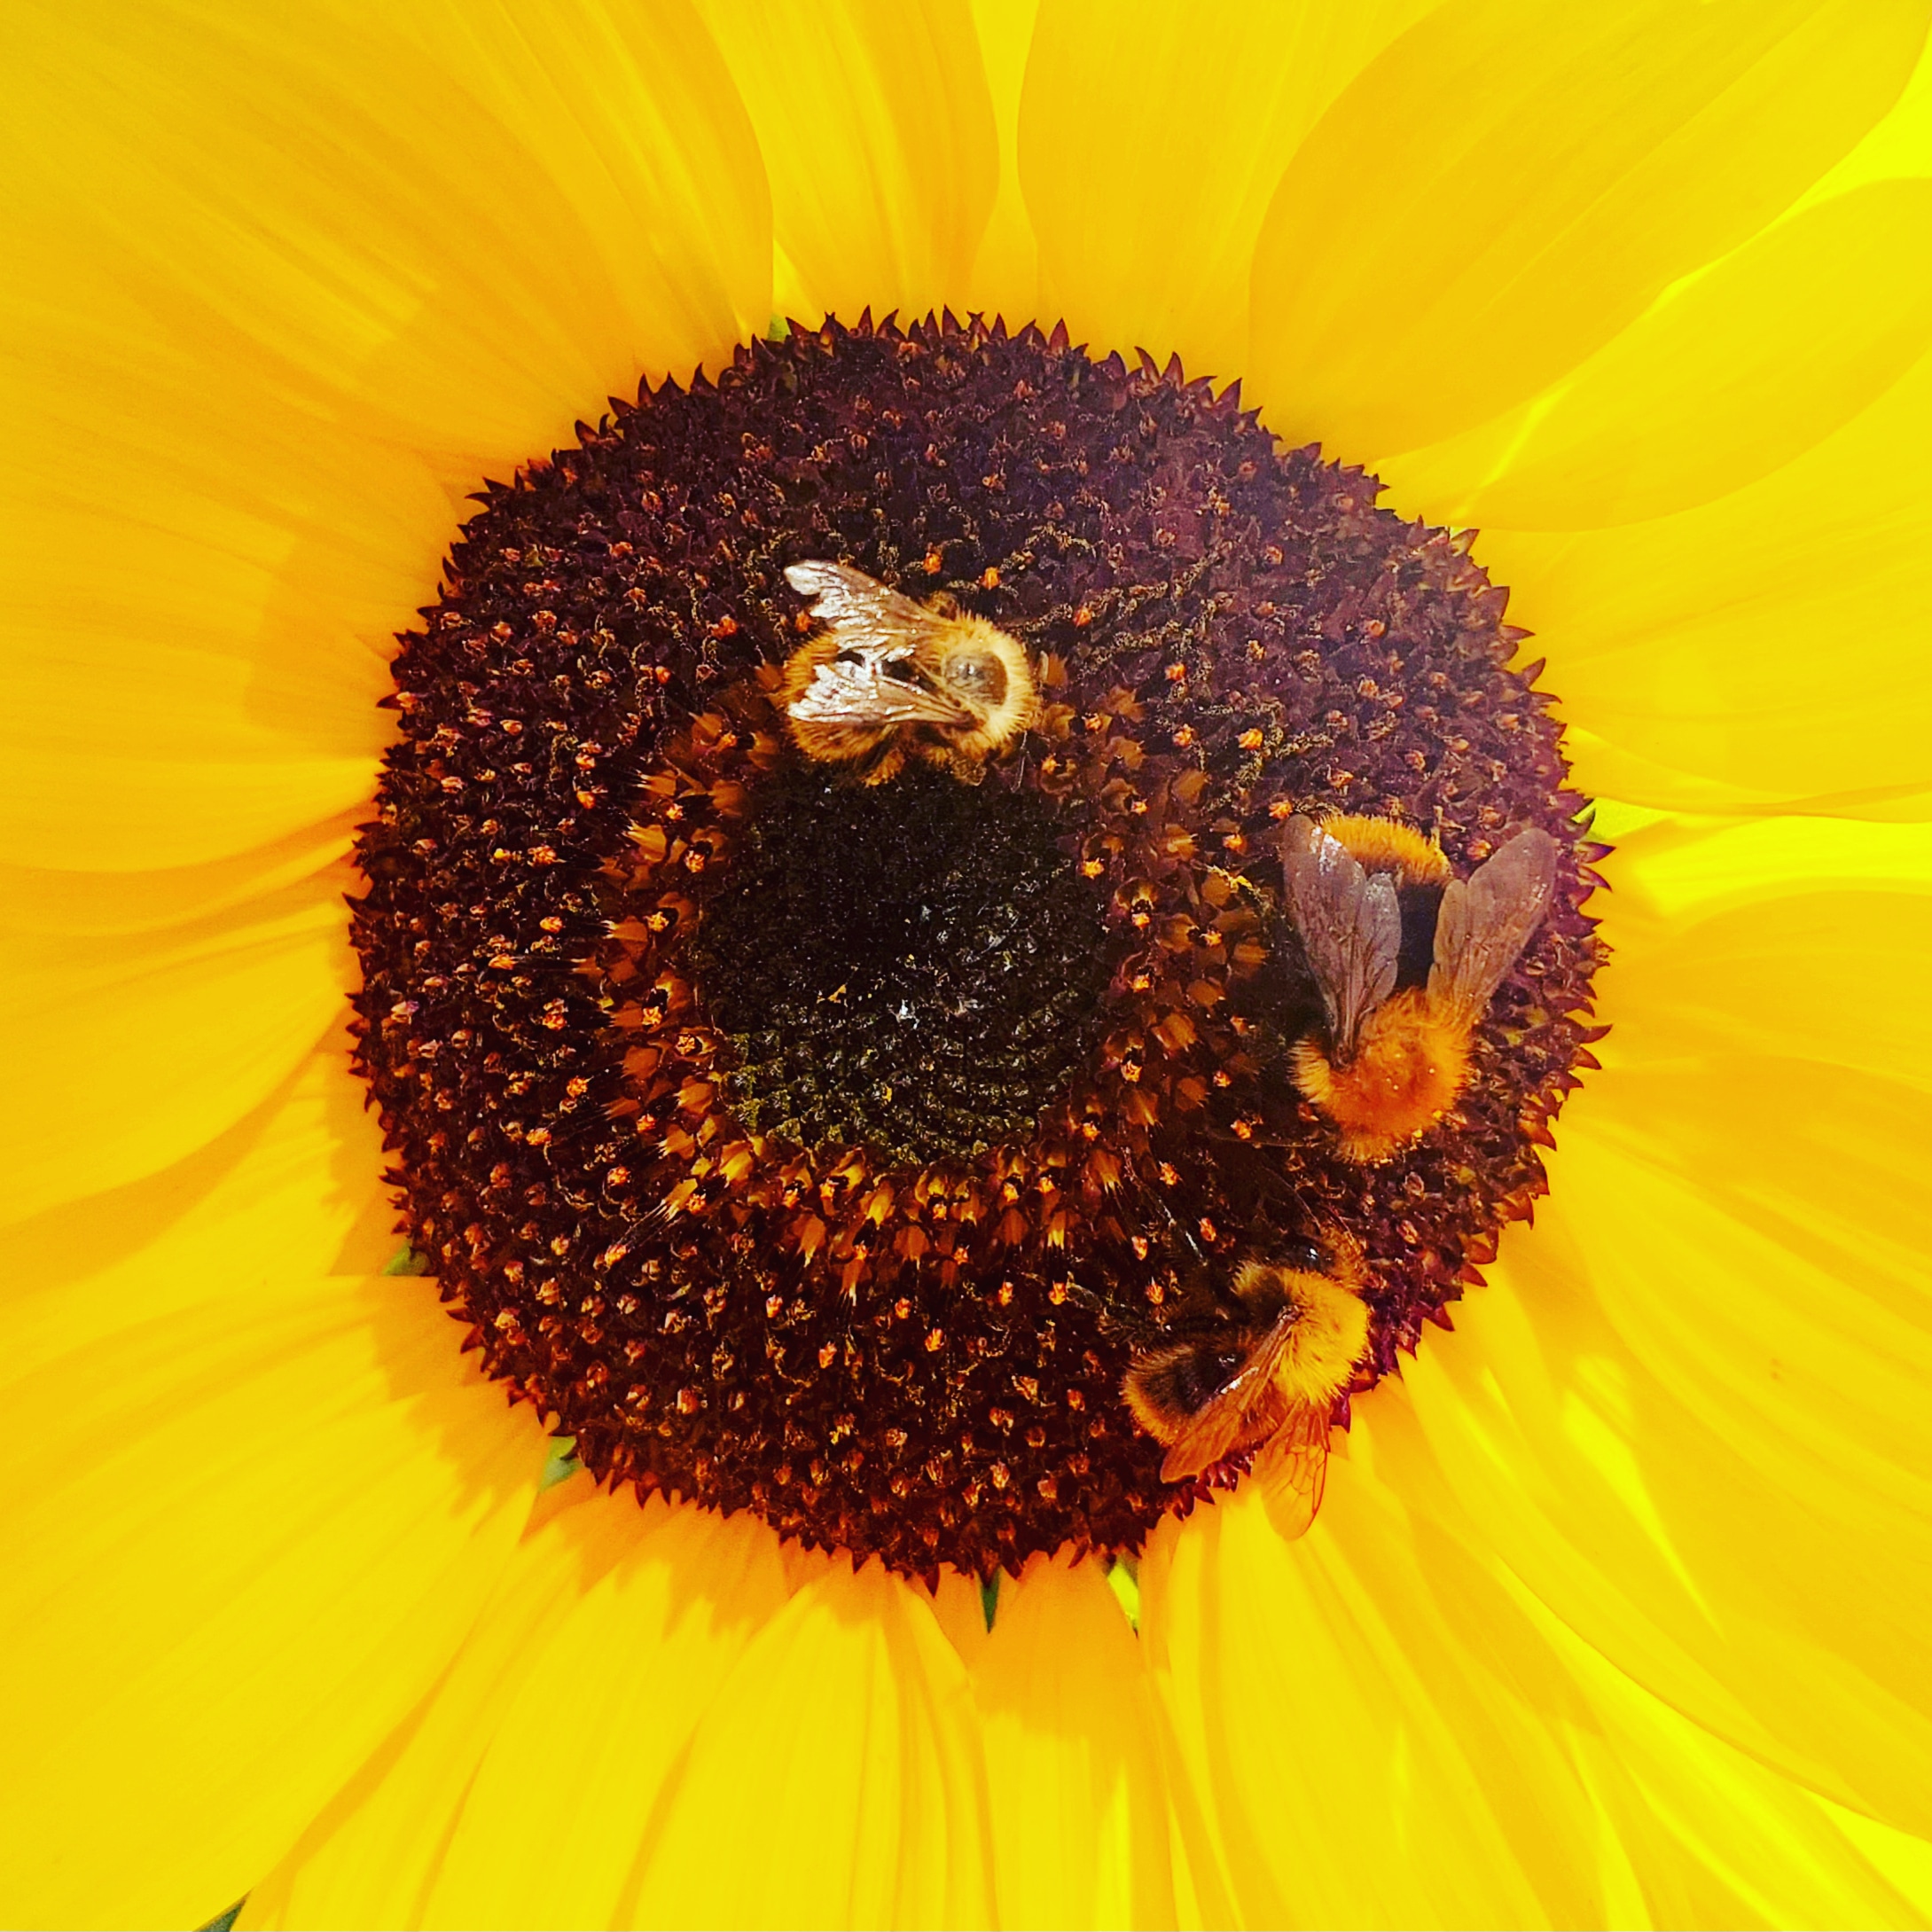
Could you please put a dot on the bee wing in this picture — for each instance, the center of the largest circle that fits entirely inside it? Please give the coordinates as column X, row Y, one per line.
column 1292, row 1471
column 871, row 679
column 1485, row 920
column 865, row 614
column 1349, row 923
column 868, row 690
column 1215, row 1428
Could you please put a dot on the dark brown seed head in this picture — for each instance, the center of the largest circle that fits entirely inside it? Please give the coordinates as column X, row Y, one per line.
column 828, row 1150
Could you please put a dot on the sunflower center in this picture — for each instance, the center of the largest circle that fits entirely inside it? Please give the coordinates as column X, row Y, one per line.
column 914, row 966
column 957, row 947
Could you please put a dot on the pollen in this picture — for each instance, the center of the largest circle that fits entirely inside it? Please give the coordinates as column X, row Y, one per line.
column 831, row 1149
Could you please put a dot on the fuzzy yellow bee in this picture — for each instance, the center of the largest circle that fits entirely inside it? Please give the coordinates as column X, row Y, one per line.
column 1266, row 1381
column 887, row 678
column 1372, row 903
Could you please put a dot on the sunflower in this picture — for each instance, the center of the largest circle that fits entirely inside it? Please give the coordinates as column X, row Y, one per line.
column 1611, row 1613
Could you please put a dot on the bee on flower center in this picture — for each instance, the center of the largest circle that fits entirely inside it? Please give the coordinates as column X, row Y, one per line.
column 887, row 678
column 1406, row 957
column 1266, row 1380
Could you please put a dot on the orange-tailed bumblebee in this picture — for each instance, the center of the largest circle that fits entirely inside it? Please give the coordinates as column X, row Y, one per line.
column 1406, row 958
column 1265, row 1379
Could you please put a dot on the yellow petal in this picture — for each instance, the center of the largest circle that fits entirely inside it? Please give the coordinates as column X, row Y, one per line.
column 1689, row 1410
column 1766, row 649
column 1080, row 1811
column 282, row 300
column 1900, row 144
column 623, row 124
column 876, row 131
column 1507, row 186
column 959, row 1609
column 837, row 1780
column 203, row 593
column 291, row 1193
column 1366, row 1749
column 1004, row 279
column 1677, row 1490
column 371, row 1855
column 1687, row 1829
column 524, row 1791
column 108, row 906
column 465, row 225
column 1728, row 937
column 254, row 1534
column 1749, row 365
column 143, row 1048
column 1711, row 1837
column 206, row 577
column 1387, row 1727
column 1780, row 1312
column 1151, row 141
column 607, row 1713
column 1671, row 873
column 1903, row 1861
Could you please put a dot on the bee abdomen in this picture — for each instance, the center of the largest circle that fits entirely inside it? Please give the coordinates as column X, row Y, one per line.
column 1417, row 905
column 1184, row 1379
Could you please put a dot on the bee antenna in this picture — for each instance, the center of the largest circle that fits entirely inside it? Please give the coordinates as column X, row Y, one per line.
column 1182, row 1229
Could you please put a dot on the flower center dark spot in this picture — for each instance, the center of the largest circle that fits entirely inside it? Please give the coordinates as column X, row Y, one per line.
column 835, row 1149
column 916, row 966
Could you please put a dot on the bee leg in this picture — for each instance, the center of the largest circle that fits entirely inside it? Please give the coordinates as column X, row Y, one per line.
column 888, row 765
column 1087, row 1299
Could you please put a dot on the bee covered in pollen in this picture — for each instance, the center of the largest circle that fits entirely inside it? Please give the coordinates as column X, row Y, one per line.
column 1406, row 957
column 887, row 677
column 1266, row 1380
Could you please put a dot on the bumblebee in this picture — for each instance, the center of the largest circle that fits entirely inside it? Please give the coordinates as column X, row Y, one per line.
column 1406, row 958
column 1265, row 1381
column 888, row 677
